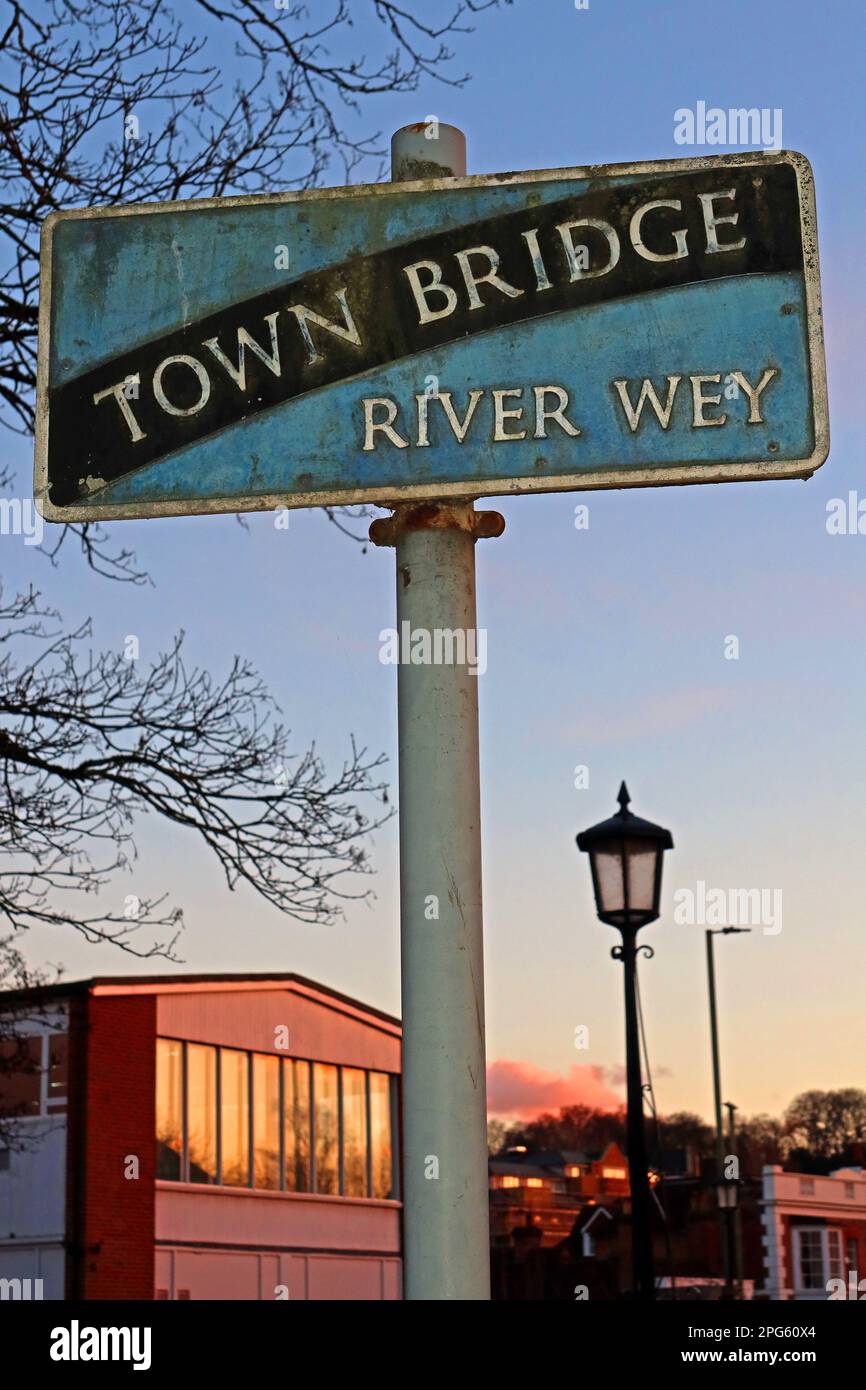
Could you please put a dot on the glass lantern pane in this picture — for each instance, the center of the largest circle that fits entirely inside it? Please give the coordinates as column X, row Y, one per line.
column 641, row 861
column 608, row 873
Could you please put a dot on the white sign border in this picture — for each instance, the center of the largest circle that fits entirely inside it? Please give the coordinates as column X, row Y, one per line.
column 760, row 470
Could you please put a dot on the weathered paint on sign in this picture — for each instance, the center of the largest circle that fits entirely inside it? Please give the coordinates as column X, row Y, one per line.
column 615, row 326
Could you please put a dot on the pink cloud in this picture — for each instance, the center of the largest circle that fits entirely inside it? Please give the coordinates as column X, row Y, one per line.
column 523, row 1090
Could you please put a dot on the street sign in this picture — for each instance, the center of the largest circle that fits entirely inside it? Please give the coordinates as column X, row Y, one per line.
column 616, row 326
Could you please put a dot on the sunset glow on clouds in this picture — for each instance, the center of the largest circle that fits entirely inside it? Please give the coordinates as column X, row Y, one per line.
column 523, row 1090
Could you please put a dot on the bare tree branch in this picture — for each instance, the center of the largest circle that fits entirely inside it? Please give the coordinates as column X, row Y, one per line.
column 89, row 744
column 106, row 102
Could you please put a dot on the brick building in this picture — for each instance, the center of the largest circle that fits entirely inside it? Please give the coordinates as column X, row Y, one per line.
column 562, row 1220
column 548, row 1189
column 202, row 1136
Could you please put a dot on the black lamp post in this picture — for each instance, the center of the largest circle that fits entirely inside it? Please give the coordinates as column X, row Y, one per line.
column 625, row 855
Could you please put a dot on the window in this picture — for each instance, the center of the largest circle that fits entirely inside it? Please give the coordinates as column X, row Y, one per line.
column 235, row 1117
column 296, row 1085
column 807, row 1187
column 325, row 1121
column 834, row 1254
column 850, row 1191
column 354, row 1093
column 811, row 1260
column 381, row 1147
column 201, row 1112
column 253, row 1119
column 21, row 1076
column 266, row 1121
column 818, row 1257
column 33, row 1075
column 169, row 1109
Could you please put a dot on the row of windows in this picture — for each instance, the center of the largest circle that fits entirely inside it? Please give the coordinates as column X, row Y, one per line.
column 249, row 1119
column 807, row 1189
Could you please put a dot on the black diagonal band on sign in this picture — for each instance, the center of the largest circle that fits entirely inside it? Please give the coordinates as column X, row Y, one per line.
column 89, row 441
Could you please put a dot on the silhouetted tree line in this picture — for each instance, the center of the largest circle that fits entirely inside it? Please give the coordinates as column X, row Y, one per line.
column 819, row 1131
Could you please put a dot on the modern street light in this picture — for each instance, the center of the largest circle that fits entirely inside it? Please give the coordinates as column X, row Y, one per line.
column 725, row 1227
column 625, row 856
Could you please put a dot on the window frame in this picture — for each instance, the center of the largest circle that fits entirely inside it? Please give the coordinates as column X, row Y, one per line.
column 368, row 1146
column 182, row 1157
column 248, row 1128
column 286, row 1063
column 827, row 1261
column 278, row 1058
column 283, row 1060
column 314, row 1181
column 217, row 1181
column 49, row 1106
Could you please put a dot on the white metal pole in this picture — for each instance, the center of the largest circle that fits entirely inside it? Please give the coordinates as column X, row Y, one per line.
column 445, row 1201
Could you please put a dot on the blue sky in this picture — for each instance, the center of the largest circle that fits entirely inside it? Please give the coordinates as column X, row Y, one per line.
column 605, row 646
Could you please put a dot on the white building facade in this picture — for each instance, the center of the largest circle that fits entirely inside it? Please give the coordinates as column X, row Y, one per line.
column 814, row 1234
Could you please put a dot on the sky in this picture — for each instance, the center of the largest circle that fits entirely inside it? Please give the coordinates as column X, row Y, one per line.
column 606, row 646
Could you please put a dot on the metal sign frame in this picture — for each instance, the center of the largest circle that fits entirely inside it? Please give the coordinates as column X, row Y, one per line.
column 684, row 472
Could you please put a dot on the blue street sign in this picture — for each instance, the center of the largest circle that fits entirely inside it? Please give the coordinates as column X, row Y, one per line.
column 618, row 326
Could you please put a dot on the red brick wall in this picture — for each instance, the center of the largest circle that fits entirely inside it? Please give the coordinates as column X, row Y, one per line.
column 119, row 1109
